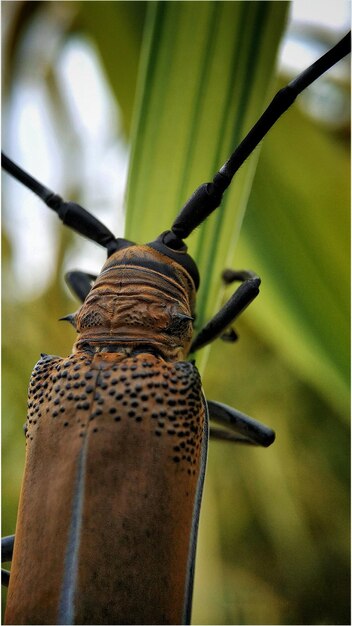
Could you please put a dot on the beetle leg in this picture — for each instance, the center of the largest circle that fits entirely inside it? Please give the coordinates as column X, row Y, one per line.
column 230, row 335
column 241, row 427
column 230, row 276
column 241, row 298
column 80, row 283
column 7, row 544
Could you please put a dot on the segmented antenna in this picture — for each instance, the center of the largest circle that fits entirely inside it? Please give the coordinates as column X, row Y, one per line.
column 209, row 195
column 70, row 213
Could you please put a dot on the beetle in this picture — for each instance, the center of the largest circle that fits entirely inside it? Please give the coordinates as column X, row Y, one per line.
column 137, row 392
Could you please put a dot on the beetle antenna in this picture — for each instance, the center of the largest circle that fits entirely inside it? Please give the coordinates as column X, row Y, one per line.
column 209, row 195
column 70, row 213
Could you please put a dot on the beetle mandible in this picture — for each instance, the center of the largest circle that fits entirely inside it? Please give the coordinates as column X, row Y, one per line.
column 137, row 392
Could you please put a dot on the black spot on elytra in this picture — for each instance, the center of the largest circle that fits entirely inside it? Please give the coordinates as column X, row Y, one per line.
column 167, row 395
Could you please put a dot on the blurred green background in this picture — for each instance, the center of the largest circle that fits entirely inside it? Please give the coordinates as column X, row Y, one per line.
column 183, row 82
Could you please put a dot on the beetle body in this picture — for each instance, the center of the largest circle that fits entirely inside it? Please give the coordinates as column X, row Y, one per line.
column 117, row 432
column 116, row 441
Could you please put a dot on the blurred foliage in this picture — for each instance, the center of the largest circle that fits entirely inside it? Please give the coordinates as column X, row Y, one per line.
column 274, row 533
column 301, row 242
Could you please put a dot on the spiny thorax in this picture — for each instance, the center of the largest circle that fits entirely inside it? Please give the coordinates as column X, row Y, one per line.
column 141, row 299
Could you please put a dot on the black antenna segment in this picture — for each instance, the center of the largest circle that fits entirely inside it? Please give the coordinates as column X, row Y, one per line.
column 70, row 213
column 209, row 195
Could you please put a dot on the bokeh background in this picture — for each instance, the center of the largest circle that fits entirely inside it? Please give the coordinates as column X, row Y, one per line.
column 91, row 89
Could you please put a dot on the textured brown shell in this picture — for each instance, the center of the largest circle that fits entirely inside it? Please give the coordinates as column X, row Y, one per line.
column 114, row 450
column 139, row 298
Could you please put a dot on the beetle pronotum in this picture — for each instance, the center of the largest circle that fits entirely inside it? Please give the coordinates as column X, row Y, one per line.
column 137, row 392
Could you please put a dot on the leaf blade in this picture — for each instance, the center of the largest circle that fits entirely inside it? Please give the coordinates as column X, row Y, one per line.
column 197, row 98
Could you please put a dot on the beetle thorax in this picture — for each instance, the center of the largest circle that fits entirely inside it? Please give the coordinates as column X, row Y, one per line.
column 141, row 301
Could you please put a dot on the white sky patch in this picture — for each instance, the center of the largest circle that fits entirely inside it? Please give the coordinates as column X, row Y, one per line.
column 334, row 15
column 85, row 92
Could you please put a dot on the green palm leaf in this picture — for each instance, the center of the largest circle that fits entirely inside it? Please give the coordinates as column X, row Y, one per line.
column 206, row 74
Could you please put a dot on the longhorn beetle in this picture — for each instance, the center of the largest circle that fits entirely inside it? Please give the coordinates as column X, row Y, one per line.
column 127, row 386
